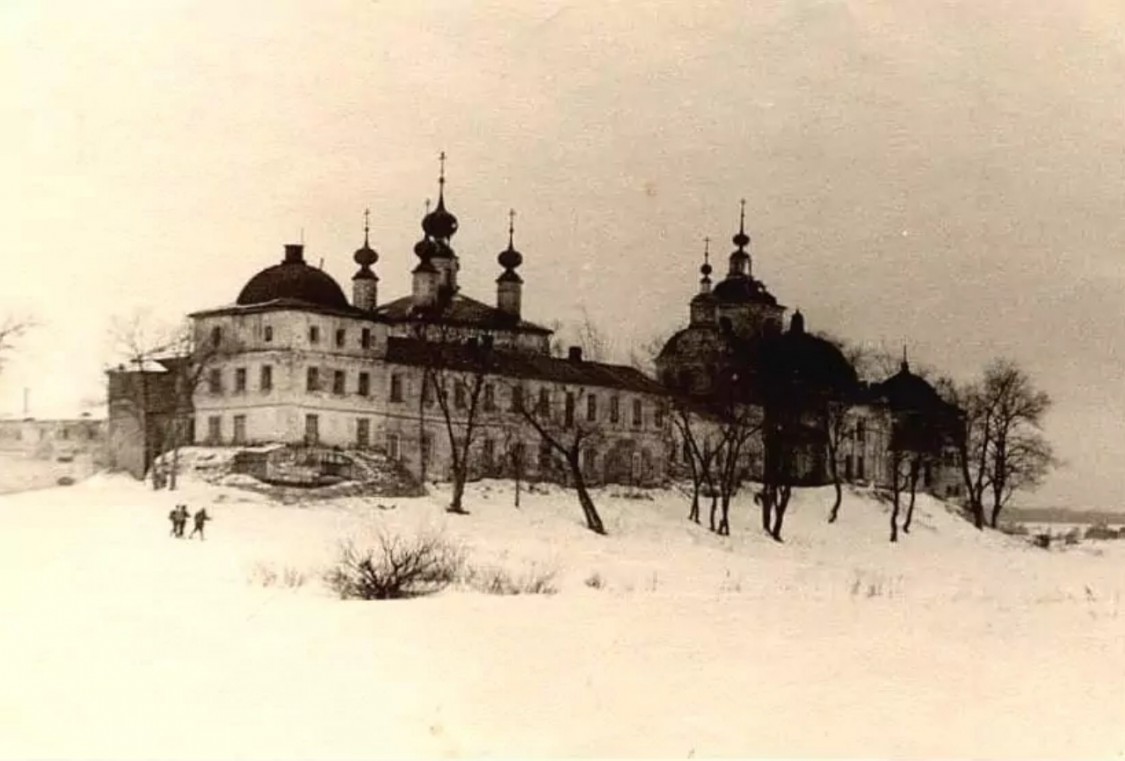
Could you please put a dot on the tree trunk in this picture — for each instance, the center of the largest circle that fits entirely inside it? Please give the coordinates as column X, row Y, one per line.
column 724, row 520
column 894, row 514
column 593, row 520
column 835, row 513
column 714, row 510
column 765, row 499
column 994, row 519
column 914, row 468
column 779, row 512
column 175, row 465
column 460, row 476
column 693, row 514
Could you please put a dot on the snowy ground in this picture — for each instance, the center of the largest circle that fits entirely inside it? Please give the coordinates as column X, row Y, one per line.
column 120, row 642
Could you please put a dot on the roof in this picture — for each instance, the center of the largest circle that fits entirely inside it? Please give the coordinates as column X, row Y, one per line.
column 285, row 303
column 905, row 391
column 467, row 357
column 293, row 279
column 461, row 311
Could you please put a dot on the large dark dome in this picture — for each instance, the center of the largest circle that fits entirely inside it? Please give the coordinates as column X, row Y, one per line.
column 797, row 360
column 294, row 279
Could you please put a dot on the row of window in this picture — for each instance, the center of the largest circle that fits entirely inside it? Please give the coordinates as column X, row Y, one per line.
column 461, row 394
column 314, row 336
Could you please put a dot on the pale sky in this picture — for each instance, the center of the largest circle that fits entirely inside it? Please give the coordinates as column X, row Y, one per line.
column 949, row 175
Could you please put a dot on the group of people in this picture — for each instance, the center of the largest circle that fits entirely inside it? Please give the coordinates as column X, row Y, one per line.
column 179, row 517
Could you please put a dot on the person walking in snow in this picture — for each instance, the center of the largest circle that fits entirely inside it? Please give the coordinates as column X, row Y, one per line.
column 174, row 516
column 182, row 522
column 200, row 518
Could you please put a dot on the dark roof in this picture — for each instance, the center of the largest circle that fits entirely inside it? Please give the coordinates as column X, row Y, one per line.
column 742, row 289
column 905, row 391
column 466, row 357
column 686, row 342
column 461, row 311
column 294, row 280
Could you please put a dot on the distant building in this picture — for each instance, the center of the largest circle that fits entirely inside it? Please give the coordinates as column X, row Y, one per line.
column 63, row 439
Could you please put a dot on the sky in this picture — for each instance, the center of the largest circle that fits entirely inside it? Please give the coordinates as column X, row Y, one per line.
column 942, row 175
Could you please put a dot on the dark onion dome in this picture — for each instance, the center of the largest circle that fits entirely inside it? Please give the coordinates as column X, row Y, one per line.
column 743, row 290
column 906, row 391
column 801, row 363
column 293, row 279
column 439, row 223
column 509, row 258
column 425, row 248
column 365, row 256
column 706, row 270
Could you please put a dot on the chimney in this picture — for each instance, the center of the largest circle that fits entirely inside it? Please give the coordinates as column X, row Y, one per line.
column 294, row 253
column 575, row 354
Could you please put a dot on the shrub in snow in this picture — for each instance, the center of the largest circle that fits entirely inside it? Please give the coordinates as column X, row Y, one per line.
column 1101, row 531
column 497, row 581
column 397, row 567
column 595, row 581
column 65, row 481
column 267, row 576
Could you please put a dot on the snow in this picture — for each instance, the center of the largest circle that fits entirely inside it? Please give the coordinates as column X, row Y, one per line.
column 122, row 642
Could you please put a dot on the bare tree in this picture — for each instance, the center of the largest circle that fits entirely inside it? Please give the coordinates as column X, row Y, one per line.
column 12, row 329
column 455, row 374
column 740, row 425
column 699, row 454
column 1001, row 447
column 1020, row 455
column 565, row 434
column 838, row 429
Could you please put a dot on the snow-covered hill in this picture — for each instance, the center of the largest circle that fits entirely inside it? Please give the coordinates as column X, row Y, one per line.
column 663, row 639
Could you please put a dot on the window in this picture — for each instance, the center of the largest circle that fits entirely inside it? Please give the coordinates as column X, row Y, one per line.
column 488, row 453
column 365, row 338
column 314, row 334
column 428, row 391
column 216, row 336
column 396, row 387
column 849, row 468
column 214, row 429
column 312, row 429
column 591, row 408
column 638, row 414
column 268, row 334
column 544, row 455
column 615, row 409
column 312, row 381
column 459, row 395
column 658, row 415
column 489, row 397
column 215, row 381
column 364, row 384
column 861, row 431
column 393, row 450
column 341, row 336
column 266, row 380
column 427, row 446
column 240, row 380
column 339, row 381
column 569, row 411
column 859, row 468
column 239, row 429
column 362, row 433
column 544, row 407
column 517, row 398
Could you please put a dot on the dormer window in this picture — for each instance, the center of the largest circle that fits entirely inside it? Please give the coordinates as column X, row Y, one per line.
column 314, row 334
column 267, row 333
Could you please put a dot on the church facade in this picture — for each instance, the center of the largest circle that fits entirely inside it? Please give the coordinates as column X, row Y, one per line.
column 294, row 361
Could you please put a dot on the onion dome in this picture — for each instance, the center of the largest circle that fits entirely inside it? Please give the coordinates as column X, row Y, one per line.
column 439, row 223
column 293, row 279
column 740, row 259
column 509, row 258
column 365, row 256
column 705, row 269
